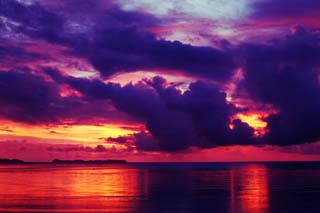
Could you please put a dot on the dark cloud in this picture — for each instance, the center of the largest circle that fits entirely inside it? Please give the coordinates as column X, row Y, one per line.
column 173, row 129
column 145, row 142
column 118, row 41
column 141, row 140
column 33, row 20
column 307, row 149
column 10, row 54
column 77, row 148
column 209, row 111
column 128, row 49
column 120, row 139
column 121, row 42
column 198, row 117
column 27, row 97
column 274, row 9
column 285, row 74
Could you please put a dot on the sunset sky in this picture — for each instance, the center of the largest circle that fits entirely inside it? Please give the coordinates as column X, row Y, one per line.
column 160, row 80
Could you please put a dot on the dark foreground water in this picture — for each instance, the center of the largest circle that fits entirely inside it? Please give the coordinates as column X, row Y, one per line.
column 187, row 187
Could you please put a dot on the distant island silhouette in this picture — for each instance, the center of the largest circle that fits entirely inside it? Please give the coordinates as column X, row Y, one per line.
column 10, row 161
column 58, row 161
column 89, row 161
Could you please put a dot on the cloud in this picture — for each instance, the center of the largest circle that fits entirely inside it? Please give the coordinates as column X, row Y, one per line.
column 33, row 20
column 120, row 139
column 27, row 97
column 128, row 50
column 197, row 117
column 77, row 148
column 118, row 41
column 172, row 128
column 307, row 149
column 11, row 55
column 217, row 9
column 276, row 9
column 142, row 141
column 284, row 73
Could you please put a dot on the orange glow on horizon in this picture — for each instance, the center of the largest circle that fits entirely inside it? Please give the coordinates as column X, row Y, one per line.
column 77, row 133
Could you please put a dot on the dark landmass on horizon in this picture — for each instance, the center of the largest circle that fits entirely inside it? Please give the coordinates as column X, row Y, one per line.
column 10, row 161
column 121, row 161
column 57, row 161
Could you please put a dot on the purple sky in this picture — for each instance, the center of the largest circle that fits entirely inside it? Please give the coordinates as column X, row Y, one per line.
column 142, row 79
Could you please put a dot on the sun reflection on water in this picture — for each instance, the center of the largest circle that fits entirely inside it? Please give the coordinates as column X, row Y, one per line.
column 249, row 189
column 239, row 188
column 75, row 188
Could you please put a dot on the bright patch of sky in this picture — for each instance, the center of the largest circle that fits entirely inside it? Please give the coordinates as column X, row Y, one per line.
column 212, row 9
column 26, row 2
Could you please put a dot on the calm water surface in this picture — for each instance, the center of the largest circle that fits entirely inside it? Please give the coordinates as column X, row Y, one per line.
column 186, row 187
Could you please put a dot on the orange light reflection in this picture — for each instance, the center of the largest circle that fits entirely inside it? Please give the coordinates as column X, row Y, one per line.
column 255, row 119
column 80, row 133
column 74, row 189
column 249, row 189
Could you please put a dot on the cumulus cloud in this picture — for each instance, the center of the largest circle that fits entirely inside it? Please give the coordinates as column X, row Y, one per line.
column 200, row 116
column 284, row 73
column 29, row 98
column 119, row 41
column 142, row 141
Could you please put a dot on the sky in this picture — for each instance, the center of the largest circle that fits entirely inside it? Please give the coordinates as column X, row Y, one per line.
column 154, row 81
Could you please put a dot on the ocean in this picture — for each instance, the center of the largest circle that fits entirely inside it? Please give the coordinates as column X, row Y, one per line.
column 161, row 187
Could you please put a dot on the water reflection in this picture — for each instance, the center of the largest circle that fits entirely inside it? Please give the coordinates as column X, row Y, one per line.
column 157, row 188
column 249, row 189
column 70, row 188
column 237, row 188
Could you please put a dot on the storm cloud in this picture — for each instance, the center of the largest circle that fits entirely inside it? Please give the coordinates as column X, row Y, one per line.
column 29, row 98
column 198, row 117
column 285, row 8
column 118, row 41
column 285, row 73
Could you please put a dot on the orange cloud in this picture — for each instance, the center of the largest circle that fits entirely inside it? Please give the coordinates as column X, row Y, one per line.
column 91, row 134
column 255, row 119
